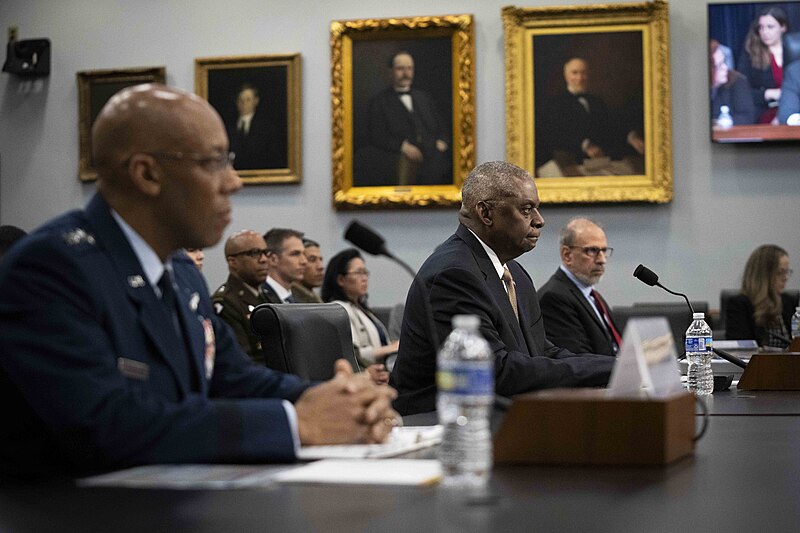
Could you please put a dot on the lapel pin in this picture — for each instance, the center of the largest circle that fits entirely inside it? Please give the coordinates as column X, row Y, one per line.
column 136, row 281
column 194, row 301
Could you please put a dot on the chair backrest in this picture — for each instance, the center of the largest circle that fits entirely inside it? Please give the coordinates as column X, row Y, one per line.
column 791, row 48
column 699, row 307
column 304, row 339
column 726, row 294
column 678, row 317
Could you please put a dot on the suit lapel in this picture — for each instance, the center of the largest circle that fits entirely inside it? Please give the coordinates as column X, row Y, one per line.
column 188, row 301
column 495, row 284
column 578, row 295
column 152, row 315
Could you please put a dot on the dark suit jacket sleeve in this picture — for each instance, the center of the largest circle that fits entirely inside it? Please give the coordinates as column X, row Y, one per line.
column 739, row 321
column 457, row 291
column 66, row 342
column 562, row 323
column 388, row 128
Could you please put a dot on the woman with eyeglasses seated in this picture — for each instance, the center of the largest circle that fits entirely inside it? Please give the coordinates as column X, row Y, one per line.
column 346, row 282
column 762, row 311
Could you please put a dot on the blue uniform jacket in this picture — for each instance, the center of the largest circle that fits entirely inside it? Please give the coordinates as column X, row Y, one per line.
column 93, row 375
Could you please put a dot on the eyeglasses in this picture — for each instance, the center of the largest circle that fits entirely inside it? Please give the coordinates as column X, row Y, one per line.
column 785, row 273
column 359, row 273
column 592, row 251
column 212, row 163
column 254, row 253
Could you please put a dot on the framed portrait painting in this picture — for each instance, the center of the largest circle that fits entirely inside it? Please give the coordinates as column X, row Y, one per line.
column 588, row 108
column 95, row 87
column 403, row 109
column 258, row 98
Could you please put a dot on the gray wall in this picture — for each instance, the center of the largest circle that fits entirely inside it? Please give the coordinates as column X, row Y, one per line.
column 728, row 199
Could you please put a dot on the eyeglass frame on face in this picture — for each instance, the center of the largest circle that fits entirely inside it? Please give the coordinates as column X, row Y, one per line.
column 220, row 162
column 252, row 253
column 593, row 251
column 785, row 273
column 360, row 273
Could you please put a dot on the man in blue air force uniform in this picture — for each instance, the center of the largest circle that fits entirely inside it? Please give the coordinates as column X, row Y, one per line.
column 111, row 354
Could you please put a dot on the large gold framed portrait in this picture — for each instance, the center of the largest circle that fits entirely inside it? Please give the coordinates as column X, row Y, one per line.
column 588, row 108
column 95, row 88
column 259, row 100
column 403, row 104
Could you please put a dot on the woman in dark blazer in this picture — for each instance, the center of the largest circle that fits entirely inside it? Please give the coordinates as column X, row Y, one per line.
column 762, row 311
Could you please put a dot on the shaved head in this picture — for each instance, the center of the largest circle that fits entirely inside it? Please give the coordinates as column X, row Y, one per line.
column 163, row 165
column 242, row 240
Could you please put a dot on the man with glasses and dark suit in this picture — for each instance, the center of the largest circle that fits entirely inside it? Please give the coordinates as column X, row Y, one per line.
column 246, row 254
column 576, row 317
column 112, row 355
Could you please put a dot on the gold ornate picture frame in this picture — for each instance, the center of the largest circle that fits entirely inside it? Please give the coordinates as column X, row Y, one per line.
column 588, row 105
column 259, row 100
column 402, row 151
column 95, row 87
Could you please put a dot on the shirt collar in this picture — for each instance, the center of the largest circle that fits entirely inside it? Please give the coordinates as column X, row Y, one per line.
column 279, row 289
column 151, row 265
column 585, row 289
column 498, row 266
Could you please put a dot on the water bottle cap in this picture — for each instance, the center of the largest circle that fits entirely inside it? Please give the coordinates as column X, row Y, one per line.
column 699, row 316
column 466, row 321
column 724, row 109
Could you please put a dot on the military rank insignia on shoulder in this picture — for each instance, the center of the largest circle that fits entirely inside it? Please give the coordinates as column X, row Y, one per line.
column 78, row 236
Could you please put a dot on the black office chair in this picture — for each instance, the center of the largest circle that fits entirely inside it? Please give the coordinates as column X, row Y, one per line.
column 678, row 317
column 304, row 339
column 791, row 48
column 726, row 294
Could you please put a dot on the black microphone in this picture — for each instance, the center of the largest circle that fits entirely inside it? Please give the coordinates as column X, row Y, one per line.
column 730, row 357
column 647, row 276
column 372, row 243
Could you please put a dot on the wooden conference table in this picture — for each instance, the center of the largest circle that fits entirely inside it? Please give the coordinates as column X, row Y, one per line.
column 744, row 476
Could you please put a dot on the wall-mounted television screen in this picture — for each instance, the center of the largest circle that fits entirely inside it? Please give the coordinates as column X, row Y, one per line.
column 754, row 71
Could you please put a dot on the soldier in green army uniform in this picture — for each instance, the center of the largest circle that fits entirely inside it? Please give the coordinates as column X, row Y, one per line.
column 246, row 253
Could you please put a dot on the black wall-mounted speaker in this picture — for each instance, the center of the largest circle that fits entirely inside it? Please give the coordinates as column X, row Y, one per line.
column 30, row 57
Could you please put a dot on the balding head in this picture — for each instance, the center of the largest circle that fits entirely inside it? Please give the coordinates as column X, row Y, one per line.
column 576, row 74
column 584, row 250
column 161, row 156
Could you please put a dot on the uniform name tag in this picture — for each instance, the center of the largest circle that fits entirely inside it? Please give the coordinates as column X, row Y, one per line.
column 133, row 369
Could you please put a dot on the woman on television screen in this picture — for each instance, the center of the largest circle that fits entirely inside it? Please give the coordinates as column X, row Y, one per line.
column 729, row 89
column 762, row 61
column 762, row 311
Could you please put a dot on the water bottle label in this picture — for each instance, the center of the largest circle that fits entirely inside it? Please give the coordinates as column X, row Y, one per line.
column 467, row 379
column 698, row 344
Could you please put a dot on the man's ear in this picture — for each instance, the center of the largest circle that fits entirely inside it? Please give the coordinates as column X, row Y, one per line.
column 146, row 176
column 484, row 213
column 566, row 254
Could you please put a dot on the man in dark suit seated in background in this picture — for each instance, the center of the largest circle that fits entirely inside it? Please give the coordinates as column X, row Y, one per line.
column 407, row 136
column 474, row 273
column 576, row 317
column 286, row 261
column 234, row 300
column 111, row 353
column 303, row 290
column 257, row 142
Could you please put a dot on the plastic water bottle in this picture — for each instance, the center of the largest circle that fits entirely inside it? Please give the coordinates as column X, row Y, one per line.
column 724, row 120
column 465, row 379
column 796, row 323
column 700, row 378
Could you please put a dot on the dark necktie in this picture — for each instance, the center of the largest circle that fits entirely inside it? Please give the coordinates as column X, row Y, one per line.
column 181, row 356
column 601, row 306
column 290, row 300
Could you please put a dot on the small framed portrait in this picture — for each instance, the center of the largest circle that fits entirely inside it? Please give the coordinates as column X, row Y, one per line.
column 403, row 111
column 259, row 100
column 95, row 87
column 588, row 108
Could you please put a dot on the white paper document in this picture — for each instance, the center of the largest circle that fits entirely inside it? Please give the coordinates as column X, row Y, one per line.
column 191, row 476
column 365, row 472
column 402, row 440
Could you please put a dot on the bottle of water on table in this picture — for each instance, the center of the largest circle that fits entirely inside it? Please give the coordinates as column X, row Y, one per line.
column 796, row 323
column 465, row 381
column 700, row 378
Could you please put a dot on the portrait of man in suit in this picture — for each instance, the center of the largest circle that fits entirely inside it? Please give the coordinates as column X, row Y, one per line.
column 253, row 103
column 402, row 127
column 588, row 104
